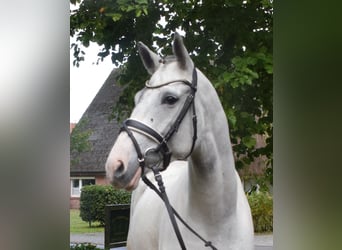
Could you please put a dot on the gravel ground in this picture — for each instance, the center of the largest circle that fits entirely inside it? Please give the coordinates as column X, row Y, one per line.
column 261, row 241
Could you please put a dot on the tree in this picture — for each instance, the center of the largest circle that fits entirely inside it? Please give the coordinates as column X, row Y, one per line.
column 79, row 140
column 229, row 40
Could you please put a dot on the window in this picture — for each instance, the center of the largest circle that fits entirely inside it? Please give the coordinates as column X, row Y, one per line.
column 75, row 187
column 78, row 183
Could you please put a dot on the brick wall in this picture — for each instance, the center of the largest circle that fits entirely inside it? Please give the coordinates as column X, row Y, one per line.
column 74, row 202
column 101, row 180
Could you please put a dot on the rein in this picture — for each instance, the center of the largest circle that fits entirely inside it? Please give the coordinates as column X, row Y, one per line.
column 153, row 157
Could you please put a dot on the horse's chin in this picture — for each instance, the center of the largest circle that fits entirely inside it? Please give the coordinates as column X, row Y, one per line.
column 134, row 181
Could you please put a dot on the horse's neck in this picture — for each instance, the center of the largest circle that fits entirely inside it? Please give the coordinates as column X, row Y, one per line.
column 212, row 177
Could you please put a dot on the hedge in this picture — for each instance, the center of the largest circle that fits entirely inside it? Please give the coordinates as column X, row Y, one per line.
column 261, row 204
column 82, row 246
column 94, row 198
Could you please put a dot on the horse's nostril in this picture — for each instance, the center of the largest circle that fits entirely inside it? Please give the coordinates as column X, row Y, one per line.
column 120, row 170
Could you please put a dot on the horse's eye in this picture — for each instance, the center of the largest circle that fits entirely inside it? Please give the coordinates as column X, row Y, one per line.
column 170, row 100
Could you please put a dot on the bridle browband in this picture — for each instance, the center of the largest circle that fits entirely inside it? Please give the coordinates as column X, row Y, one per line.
column 153, row 157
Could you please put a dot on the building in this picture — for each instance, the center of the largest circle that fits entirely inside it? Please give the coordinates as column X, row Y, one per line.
column 88, row 167
column 72, row 126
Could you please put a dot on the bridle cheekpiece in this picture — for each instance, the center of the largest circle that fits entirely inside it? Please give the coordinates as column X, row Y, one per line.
column 160, row 156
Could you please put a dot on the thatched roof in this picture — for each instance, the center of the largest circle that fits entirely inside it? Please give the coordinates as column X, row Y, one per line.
column 103, row 132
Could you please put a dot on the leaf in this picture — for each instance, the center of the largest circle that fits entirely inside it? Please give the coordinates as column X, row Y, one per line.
column 145, row 11
column 138, row 13
column 231, row 117
column 130, row 8
column 141, row 2
column 249, row 142
column 251, row 60
column 227, row 76
column 269, row 68
column 252, row 73
column 234, row 84
column 114, row 16
column 117, row 17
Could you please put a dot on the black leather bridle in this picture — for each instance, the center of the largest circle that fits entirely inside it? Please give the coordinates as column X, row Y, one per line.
column 158, row 159
column 153, row 157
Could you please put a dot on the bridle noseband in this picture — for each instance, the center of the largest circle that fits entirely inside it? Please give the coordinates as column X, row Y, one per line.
column 153, row 157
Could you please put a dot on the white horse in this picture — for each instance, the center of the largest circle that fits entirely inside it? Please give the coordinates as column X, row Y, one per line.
column 206, row 189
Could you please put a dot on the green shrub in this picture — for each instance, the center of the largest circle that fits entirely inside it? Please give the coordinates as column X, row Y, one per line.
column 94, row 198
column 262, row 211
column 82, row 246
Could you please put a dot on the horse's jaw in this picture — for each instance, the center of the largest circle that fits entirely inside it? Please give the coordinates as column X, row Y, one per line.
column 135, row 181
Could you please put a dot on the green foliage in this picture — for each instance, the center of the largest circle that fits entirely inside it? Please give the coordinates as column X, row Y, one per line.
column 230, row 41
column 79, row 140
column 261, row 204
column 94, row 198
column 86, row 246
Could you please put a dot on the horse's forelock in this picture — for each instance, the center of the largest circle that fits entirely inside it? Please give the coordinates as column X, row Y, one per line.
column 168, row 59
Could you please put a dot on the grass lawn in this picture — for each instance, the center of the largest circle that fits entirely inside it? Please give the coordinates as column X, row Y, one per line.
column 77, row 225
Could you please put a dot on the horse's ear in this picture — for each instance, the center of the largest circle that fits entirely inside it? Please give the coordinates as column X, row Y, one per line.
column 181, row 53
column 149, row 58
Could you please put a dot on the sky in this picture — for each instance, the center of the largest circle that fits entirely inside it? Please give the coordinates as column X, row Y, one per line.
column 86, row 80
